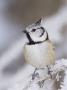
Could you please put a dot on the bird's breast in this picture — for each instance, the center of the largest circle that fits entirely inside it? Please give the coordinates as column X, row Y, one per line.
column 39, row 55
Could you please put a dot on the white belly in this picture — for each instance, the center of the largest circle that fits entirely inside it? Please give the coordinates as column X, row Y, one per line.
column 39, row 55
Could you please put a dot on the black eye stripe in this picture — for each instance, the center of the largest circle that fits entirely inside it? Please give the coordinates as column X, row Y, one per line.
column 33, row 30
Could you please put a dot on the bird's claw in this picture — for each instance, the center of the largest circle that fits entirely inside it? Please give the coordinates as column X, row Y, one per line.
column 35, row 75
column 41, row 83
column 49, row 72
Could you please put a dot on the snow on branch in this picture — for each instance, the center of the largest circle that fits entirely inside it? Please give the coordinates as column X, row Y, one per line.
column 45, row 80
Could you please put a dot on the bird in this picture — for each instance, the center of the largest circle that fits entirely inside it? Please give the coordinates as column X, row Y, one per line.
column 39, row 50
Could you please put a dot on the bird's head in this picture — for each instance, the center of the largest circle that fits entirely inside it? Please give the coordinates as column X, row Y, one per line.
column 36, row 33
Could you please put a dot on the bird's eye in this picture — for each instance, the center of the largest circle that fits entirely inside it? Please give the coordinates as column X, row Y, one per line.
column 33, row 30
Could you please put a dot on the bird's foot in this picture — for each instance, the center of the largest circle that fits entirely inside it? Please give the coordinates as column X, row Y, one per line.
column 49, row 72
column 35, row 74
column 41, row 83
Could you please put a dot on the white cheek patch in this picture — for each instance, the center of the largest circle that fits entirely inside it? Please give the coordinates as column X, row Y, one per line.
column 37, row 33
column 38, row 38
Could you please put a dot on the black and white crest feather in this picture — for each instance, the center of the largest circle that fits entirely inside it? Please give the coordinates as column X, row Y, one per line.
column 38, row 22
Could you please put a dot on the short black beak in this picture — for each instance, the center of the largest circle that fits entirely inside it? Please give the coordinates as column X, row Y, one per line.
column 24, row 31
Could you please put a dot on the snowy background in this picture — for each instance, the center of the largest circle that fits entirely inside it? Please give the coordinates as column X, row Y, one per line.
column 14, row 16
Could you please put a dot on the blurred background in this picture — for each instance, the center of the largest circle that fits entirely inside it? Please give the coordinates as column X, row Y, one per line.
column 15, row 15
